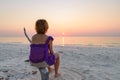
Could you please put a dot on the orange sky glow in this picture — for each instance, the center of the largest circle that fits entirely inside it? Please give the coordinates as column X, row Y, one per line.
column 65, row 17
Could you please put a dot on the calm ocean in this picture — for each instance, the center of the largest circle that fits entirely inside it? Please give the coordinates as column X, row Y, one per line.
column 89, row 41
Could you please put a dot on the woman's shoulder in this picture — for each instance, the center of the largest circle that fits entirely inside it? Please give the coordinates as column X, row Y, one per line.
column 34, row 36
column 50, row 38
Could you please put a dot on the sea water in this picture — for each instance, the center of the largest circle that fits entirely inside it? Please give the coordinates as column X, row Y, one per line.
column 62, row 41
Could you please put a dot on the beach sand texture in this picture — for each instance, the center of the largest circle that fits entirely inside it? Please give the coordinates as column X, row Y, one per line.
column 77, row 63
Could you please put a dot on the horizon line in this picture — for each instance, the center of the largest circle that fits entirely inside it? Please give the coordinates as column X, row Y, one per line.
column 71, row 36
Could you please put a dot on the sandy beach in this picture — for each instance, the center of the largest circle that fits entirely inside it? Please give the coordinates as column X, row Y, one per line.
column 78, row 62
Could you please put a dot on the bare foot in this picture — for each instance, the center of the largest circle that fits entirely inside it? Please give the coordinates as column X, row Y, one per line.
column 57, row 75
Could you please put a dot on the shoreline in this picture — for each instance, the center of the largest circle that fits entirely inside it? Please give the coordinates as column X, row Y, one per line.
column 117, row 45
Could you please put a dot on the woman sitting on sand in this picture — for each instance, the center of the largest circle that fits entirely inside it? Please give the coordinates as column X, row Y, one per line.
column 40, row 39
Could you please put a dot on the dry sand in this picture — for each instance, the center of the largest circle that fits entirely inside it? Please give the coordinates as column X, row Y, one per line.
column 77, row 63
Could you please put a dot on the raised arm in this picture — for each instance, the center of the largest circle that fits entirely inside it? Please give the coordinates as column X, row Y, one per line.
column 27, row 35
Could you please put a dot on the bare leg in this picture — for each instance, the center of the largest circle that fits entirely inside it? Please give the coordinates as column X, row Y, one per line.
column 50, row 69
column 56, row 66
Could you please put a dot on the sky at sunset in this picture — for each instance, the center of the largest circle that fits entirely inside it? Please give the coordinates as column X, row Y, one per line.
column 65, row 17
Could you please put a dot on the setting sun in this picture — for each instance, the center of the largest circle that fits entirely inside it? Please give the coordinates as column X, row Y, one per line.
column 63, row 33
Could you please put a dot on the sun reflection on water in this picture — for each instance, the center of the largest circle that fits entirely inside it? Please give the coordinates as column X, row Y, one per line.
column 63, row 41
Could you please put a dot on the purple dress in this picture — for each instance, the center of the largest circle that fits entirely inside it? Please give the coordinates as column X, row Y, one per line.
column 40, row 53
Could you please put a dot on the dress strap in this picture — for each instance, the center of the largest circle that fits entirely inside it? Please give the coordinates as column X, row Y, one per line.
column 48, row 39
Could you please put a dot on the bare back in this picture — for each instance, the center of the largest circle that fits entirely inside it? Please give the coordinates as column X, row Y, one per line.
column 39, row 39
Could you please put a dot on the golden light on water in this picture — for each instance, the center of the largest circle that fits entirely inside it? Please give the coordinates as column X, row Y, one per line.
column 63, row 41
